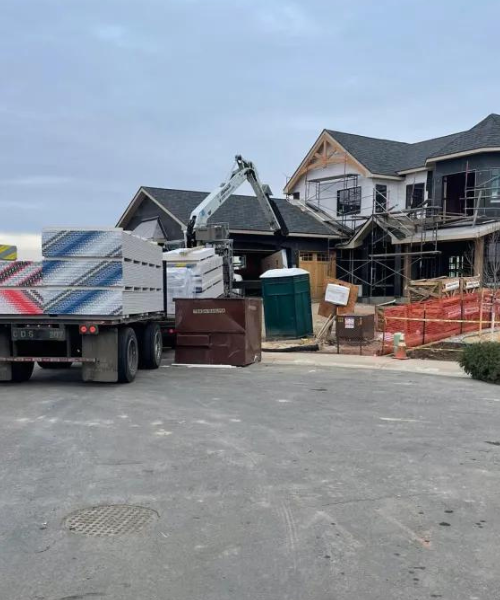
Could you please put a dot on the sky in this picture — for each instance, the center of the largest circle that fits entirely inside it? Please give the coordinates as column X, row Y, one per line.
column 100, row 97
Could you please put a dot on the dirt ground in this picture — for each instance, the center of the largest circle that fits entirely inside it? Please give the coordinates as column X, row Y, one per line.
column 368, row 348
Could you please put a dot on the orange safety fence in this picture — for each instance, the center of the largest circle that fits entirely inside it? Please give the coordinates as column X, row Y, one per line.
column 434, row 320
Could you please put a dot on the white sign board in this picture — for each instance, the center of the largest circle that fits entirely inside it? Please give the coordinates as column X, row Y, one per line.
column 349, row 322
column 472, row 283
column 337, row 294
column 451, row 285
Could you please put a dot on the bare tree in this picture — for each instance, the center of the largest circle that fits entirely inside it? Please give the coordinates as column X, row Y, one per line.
column 491, row 271
column 468, row 265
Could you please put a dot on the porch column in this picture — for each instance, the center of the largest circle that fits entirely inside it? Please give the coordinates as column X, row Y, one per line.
column 407, row 267
column 479, row 257
column 398, row 279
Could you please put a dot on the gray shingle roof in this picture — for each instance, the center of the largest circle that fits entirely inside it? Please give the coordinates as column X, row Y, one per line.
column 378, row 156
column 241, row 212
column 419, row 152
column 387, row 157
column 485, row 134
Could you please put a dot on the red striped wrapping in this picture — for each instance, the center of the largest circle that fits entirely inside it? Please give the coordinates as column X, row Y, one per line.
column 20, row 302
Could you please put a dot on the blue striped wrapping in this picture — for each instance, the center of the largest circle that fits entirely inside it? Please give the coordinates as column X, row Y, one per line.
column 67, row 243
column 83, row 273
column 82, row 302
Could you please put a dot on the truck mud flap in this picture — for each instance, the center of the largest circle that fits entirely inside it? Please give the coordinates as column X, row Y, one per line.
column 103, row 348
column 5, row 367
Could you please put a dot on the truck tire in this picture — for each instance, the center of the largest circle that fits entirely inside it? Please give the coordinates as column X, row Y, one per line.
column 22, row 371
column 128, row 355
column 55, row 365
column 151, row 343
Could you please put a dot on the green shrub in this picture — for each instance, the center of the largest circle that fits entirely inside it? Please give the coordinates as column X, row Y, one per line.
column 482, row 361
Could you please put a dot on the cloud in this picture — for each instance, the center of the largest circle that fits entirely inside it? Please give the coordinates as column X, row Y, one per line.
column 19, row 205
column 35, row 180
column 287, row 19
column 123, row 38
column 110, row 33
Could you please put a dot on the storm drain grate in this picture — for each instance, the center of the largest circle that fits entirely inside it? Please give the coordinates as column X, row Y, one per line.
column 118, row 519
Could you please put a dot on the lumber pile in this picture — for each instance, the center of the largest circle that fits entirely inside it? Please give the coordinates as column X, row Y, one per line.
column 420, row 290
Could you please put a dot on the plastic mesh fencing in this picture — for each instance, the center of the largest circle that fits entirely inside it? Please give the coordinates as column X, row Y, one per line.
column 435, row 320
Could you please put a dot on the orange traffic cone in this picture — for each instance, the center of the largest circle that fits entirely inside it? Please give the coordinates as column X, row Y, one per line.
column 400, row 353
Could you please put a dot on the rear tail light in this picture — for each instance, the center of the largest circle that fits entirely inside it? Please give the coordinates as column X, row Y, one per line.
column 171, row 331
column 89, row 329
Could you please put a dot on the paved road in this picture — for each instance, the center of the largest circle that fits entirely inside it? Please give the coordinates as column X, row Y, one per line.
column 269, row 483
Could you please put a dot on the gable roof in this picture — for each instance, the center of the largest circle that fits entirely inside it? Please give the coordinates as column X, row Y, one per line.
column 377, row 155
column 243, row 213
column 391, row 158
column 485, row 134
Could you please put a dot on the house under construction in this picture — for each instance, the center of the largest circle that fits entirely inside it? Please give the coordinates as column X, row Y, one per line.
column 405, row 211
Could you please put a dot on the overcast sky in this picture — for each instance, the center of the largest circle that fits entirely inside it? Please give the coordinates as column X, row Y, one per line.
column 99, row 97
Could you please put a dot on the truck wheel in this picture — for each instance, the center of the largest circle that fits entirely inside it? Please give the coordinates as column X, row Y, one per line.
column 151, row 347
column 128, row 355
column 22, row 371
column 55, row 365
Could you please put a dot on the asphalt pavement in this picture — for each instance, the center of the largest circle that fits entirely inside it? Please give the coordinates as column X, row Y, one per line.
column 272, row 482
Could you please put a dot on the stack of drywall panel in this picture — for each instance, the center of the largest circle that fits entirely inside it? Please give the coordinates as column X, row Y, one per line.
column 193, row 273
column 100, row 272
column 8, row 252
column 19, row 293
column 179, row 285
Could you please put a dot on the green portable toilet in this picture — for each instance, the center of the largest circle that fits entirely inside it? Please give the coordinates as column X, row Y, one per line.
column 286, row 295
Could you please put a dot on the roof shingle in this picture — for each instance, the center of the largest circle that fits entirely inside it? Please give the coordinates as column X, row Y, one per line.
column 387, row 157
column 241, row 212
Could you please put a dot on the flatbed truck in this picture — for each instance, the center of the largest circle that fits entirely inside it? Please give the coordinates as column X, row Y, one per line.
column 110, row 349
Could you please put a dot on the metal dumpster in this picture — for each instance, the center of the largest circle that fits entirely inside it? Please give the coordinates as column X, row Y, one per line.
column 218, row 331
column 287, row 303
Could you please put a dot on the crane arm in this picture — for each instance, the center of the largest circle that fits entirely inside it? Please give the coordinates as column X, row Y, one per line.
column 244, row 171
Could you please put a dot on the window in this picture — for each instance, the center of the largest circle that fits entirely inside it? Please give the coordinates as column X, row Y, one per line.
column 314, row 256
column 429, row 186
column 495, row 186
column 296, row 195
column 414, row 195
column 349, row 201
column 455, row 266
column 380, row 198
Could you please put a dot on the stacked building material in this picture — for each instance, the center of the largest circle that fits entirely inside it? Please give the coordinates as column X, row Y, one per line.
column 19, row 293
column 420, row 290
column 100, row 272
column 193, row 273
column 8, row 252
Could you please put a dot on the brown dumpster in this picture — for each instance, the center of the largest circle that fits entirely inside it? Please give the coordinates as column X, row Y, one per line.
column 218, row 331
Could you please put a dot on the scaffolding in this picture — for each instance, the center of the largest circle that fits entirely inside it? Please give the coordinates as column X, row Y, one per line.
column 397, row 245
column 385, row 267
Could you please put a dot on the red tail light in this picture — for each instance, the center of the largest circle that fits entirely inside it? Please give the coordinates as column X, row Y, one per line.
column 89, row 329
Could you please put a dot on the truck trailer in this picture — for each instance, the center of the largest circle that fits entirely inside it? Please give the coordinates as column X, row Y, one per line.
column 97, row 298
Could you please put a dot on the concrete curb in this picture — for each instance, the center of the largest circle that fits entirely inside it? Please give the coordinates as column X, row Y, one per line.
column 382, row 363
